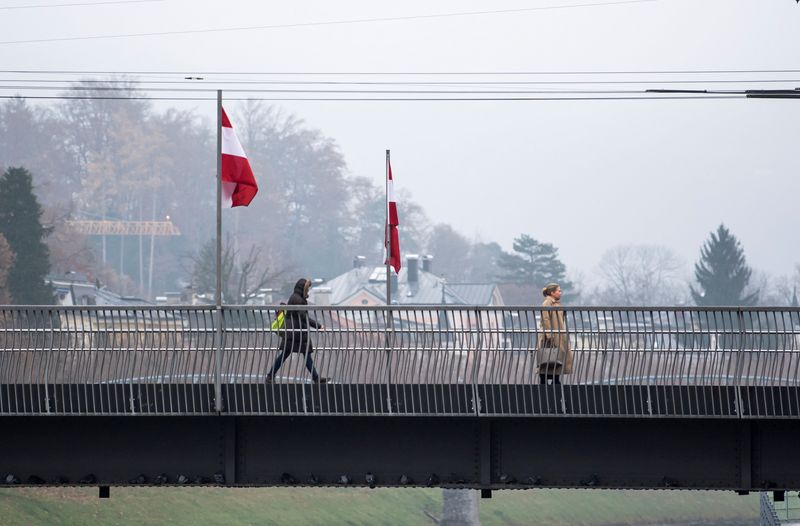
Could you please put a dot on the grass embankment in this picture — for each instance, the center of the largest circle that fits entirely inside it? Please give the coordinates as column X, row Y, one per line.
column 233, row 507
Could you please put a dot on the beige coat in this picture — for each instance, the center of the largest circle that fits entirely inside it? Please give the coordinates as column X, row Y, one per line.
column 554, row 326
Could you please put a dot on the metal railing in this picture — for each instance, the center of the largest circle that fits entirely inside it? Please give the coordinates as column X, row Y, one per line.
column 786, row 510
column 409, row 360
column 767, row 513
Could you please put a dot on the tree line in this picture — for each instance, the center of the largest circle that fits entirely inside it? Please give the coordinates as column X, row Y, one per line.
column 123, row 160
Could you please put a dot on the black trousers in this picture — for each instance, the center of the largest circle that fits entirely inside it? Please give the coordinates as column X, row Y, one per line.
column 544, row 377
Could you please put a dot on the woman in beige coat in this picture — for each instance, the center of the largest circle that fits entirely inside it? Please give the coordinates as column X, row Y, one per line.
column 554, row 354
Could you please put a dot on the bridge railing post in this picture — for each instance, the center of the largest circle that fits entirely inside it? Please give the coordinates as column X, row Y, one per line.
column 476, row 364
column 739, row 363
column 389, row 342
column 219, row 321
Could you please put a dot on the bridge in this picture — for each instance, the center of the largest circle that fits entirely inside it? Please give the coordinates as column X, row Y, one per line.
column 450, row 396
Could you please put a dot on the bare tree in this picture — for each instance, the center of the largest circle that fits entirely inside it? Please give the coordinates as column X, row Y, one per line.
column 69, row 249
column 451, row 251
column 777, row 290
column 242, row 277
column 788, row 286
column 641, row 275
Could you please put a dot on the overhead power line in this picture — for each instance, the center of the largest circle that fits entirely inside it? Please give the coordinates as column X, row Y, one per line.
column 403, row 73
column 328, row 22
column 750, row 93
column 440, row 91
column 210, row 81
column 78, row 4
column 643, row 97
column 348, row 91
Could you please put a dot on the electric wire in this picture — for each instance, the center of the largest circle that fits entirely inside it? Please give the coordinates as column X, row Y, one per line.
column 78, row 4
column 342, row 91
column 326, row 23
column 363, row 91
column 403, row 82
column 406, row 73
column 644, row 97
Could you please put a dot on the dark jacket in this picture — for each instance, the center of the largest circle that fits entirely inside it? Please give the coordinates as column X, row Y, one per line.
column 298, row 322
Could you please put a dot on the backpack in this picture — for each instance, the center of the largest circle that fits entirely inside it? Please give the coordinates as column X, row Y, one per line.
column 279, row 321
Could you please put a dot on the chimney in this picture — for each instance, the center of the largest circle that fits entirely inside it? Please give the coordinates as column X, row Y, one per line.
column 267, row 296
column 412, row 266
column 358, row 261
column 427, row 262
column 322, row 296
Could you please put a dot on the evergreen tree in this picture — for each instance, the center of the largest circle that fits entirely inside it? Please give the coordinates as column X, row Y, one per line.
column 722, row 272
column 533, row 263
column 6, row 261
column 20, row 224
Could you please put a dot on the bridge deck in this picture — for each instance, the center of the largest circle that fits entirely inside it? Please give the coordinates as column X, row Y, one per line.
column 405, row 399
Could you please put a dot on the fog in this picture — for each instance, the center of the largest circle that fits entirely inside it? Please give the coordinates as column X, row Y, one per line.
column 583, row 175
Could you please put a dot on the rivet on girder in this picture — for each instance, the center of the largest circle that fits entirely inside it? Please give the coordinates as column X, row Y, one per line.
column 533, row 481
column 507, row 479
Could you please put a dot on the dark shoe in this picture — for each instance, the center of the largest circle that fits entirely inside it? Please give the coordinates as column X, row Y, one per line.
column 321, row 381
column 268, row 379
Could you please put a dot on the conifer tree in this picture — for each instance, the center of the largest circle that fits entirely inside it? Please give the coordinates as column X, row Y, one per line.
column 722, row 272
column 533, row 263
column 6, row 261
column 20, row 224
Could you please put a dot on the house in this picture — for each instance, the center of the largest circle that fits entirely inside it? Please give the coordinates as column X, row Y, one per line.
column 415, row 284
column 74, row 288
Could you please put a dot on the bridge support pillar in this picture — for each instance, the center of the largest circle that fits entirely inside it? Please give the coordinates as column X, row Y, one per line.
column 746, row 454
column 485, row 453
column 229, row 452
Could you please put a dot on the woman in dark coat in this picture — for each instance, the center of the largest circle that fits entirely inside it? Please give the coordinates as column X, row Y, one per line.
column 295, row 337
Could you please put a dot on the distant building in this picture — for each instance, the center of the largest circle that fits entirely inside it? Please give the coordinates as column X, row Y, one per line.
column 74, row 288
column 414, row 285
column 516, row 294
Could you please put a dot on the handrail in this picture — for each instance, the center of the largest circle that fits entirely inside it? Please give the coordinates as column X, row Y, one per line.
column 729, row 362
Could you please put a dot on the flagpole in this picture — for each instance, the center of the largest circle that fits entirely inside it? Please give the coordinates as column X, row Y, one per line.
column 219, row 320
column 218, row 295
column 389, row 316
column 388, row 239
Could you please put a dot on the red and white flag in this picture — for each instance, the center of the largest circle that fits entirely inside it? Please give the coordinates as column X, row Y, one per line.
column 238, row 182
column 393, row 236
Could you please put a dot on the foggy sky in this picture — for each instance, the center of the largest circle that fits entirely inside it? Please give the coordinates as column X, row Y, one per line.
column 584, row 175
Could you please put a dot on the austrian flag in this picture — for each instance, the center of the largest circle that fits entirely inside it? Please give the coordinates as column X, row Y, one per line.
column 392, row 234
column 238, row 182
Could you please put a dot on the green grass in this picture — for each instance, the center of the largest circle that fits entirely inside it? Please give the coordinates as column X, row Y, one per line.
column 207, row 506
